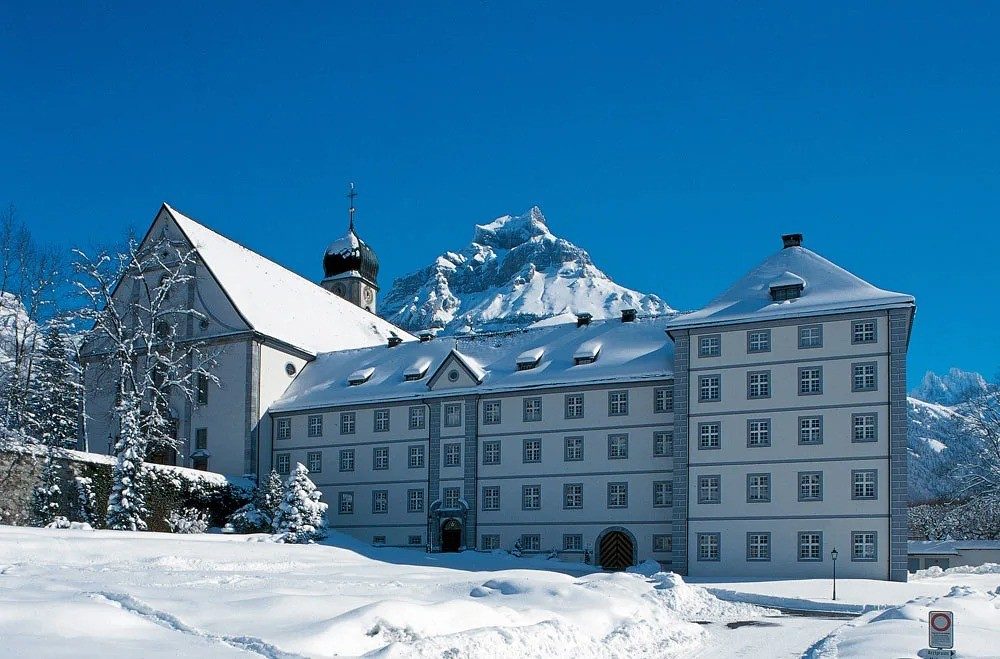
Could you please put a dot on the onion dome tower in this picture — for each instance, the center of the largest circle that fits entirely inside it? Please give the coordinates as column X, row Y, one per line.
column 350, row 267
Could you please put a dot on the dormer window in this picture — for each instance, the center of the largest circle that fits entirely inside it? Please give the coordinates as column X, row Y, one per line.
column 417, row 371
column 529, row 359
column 788, row 286
column 587, row 353
column 360, row 376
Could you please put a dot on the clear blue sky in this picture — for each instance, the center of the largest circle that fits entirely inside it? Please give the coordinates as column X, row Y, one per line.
column 673, row 142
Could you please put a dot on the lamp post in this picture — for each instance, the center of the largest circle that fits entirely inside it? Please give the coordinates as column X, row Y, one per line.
column 833, row 555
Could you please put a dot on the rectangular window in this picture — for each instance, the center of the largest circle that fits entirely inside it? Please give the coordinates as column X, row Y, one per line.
column 380, row 457
column 414, row 540
column 573, row 495
column 452, row 415
column 201, row 439
column 758, row 546
column 618, row 403
column 415, row 458
column 347, row 423
column 864, row 483
column 864, row 546
column 810, row 545
column 380, row 502
column 810, row 486
column 452, row 455
column 281, row 463
column 811, row 336
column 617, row 447
column 865, row 427
column 532, row 409
column 491, row 412
column 531, row 542
column 758, row 384
column 314, row 462
column 202, row 381
column 758, row 433
column 863, row 331
column 532, row 450
column 865, row 377
column 381, row 420
column 284, row 429
column 710, row 489
column 489, row 541
column 617, row 495
column 709, row 388
column 378, row 540
column 531, row 497
column 710, row 435
column 573, row 449
column 491, row 497
column 708, row 546
column 758, row 341
column 451, row 497
column 758, row 488
column 491, row 452
column 572, row 542
column 663, row 443
column 810, row 380
column 574, row 406
column 417, row 417
column 315, row 425
column 810, row 430
column 663, row 494
column 710, row 345
column 414, row 501
column 347, row 459
column 345, row 504
column 663, row 399
column 663, row 542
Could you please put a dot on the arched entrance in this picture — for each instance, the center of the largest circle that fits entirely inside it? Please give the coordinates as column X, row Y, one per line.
column 451, row 535
column 616, row 549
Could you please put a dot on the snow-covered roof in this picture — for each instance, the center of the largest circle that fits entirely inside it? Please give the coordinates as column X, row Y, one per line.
column 531, row 356
column 419, row 368
column 633, row 351
column 281, row 304
column 952, row 547
column 360, row 376
column 345, row 244
column 828, row 288
column 588, row 350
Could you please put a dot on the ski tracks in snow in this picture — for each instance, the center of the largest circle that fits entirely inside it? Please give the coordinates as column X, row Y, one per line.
column 172, row 622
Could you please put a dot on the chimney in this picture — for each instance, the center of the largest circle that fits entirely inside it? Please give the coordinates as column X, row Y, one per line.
column 791, row 240
column 628, row 315
column 425, row 336
column 583, row 319
column 394, row 340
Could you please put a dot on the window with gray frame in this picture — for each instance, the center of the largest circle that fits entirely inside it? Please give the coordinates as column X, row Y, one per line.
column 531, row 497
column 864, row 331
column 573, row 449
column 810, row 380
column 380, row 502
column 618, row 446
column 617, row 495
column 453, row 455
column 758, row 546
column 572, row 542
column 710, row 488
column 489, row 541
column 758, row 433
column 574, row 406
column 284, row 430
column 810, row 336
column 710, row 345
column 201, row 439
column 663, row 399
column 864, row 484
column 758, row 341
column 314, row 462
column 381, row 420
column 662, row 542
column 347, row 459
column 415, row 540
column 414, row 501
column 663, row 443
column 663, row 494
column 865, row 427
column 618, row 403
column 573, row 496
column 345, row 503
column 710, row 435
column 315, row 425
column 491, row 412
column 202, row 386
column 347, row 423
column 758, row 384
column 532, row 409
column 418, row 418
column 708, row 546
column 281, row 463
column 810, row 486
column 758, row 488
column 491, row 452
column 380, row 458
column 864, row 546
column 452, row 415
column 810, row 546
column 415, row 457
column 810, row 430
column 450, row 497
column 491, row 497
column 709, row 388
column 531, row 542
column 532, row 450
column 865, row 376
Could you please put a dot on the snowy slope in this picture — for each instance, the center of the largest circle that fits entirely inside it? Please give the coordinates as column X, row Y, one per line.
column 513, row 274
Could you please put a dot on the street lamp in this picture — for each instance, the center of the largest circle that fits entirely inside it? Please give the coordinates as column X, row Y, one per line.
column 833, row 555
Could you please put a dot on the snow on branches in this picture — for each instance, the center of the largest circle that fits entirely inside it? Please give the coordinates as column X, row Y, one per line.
column 301, row 515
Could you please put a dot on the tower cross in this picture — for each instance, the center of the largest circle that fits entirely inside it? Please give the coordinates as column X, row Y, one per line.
column 352, row 194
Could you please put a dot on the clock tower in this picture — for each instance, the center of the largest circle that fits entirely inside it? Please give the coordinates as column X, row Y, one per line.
column 350, row 266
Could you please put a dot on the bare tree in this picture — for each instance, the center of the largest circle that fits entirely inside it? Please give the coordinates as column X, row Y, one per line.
column 135, row 302
column 978, row 464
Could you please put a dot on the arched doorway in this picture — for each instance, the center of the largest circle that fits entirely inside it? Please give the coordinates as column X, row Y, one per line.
column 616, row 549
column 451, row 535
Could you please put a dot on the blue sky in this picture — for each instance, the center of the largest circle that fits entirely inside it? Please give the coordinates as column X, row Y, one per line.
column 674, row 142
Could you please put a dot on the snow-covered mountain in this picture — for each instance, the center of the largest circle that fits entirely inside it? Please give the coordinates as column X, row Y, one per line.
column 954, row 387
column 514, row 273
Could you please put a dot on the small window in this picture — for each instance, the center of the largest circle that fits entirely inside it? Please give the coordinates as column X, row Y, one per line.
column 663, row 443
column 491, row 497
column 574, row 406
column 618, row 403
column 663, row 400
column 782, row 293
column 865, row 377
column 201, row 439
column 864, row 483
column 491, row 412
column 758, row 546
column 572, row 495
column 378, row 540
column 810, row 430
column 417, row 417
column 453, row 376
column 617, row 446
column 617, row 495
column 491, row 452
column 452, row 455
column 414, row 501
column 662, row 542
column 532, row 409
column 284, row 428
column 531, row 497
column 710, row 489
column 663, row 494
column 347, row 423
column 573, row 449
column 314, row 462
column 415, row 457
column 865, row 427
column 290, row 369
column 452, row 415
column 380, row 502
column 346, row 503
column 710, row 345
column 202, row 382
column 200, row 463
column 863, row 331
column 572, row 542
column 810, row 380
column 758, row 488
column 531, row 542
column 380, row 458
column 758, row 384
column 810, row 486
column 315, row 425
column 758, row 433
column 709, row 436
column 532, row 450
column 708, row 546
column 810, row 336
column 415, row 540
column 451, row 497
column 864, row 546
column 709, row 388
column 381, row 420
column 281, row 463
column 347, row 459
column 489, row 541
column 810, row 546
column 758, row 341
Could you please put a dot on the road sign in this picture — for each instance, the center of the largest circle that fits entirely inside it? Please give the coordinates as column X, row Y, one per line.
column 941, row 629
column 937, row 653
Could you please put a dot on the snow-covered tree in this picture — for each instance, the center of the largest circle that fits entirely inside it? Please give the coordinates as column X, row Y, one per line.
column 84, row 504
column 46, row 493
column 55, row 392
column 301, row 515
column 259, row 514
column 189, row 520
column 978, row 462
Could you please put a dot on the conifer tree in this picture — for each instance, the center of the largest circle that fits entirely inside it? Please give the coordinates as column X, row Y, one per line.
column 258, row 516
column 55, row 393
column 85, row 503
column 45, row 496
column 301, row 514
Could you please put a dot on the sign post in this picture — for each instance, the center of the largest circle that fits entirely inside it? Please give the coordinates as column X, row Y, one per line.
column 941, row 633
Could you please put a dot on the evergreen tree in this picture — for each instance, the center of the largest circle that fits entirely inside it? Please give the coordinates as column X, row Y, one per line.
column 301, row 514
column 258, row 516
column 45, row 496
column 85, row 503
column 55, row 393
column 270, row 495
column 127, row 503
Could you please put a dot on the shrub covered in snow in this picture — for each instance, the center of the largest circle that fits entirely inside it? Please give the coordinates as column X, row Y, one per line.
column 301, row 515
column 259, row 515
column 46, row 494
column 976, row 519
column 61, row 522
column 84, row 503
column 188, row 520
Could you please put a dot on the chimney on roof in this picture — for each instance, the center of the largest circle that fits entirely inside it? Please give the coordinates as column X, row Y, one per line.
column 394, row 340
column 583, row 319
column 791, row 240
column 425, row 336
column 628, row 315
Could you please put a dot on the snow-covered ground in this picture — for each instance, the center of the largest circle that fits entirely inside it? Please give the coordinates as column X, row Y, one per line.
column 104, row 593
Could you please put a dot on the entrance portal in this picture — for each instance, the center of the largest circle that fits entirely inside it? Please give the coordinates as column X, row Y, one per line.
column 451, row 535
column 616, row 551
